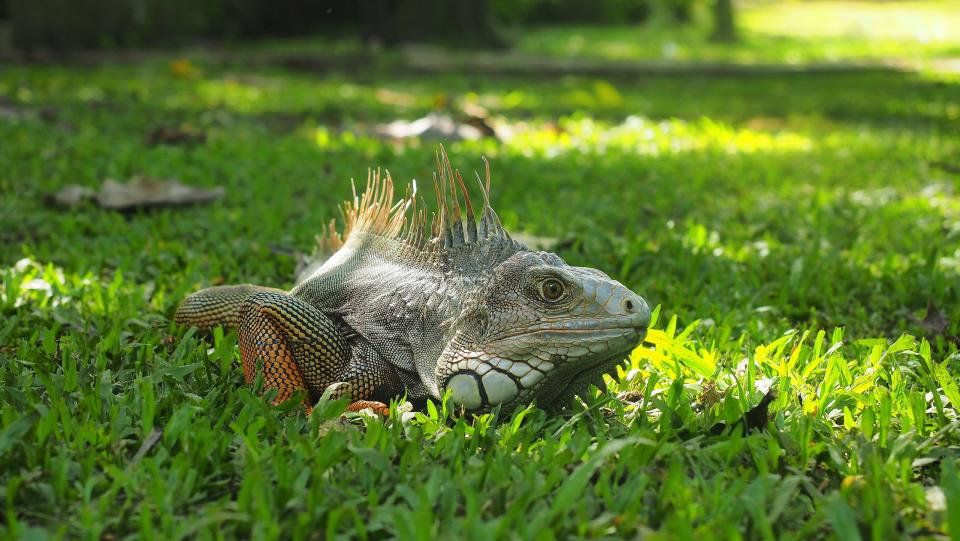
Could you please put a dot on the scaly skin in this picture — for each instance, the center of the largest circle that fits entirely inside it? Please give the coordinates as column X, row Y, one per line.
column 395, row 311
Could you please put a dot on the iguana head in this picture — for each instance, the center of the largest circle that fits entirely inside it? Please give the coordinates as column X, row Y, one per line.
column 539, row 330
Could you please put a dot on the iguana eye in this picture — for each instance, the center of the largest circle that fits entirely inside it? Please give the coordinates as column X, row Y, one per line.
column 551, row 289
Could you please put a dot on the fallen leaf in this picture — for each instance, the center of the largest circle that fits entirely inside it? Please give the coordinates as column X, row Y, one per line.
column 71, row 195
column 433, row 126
column 150, row 192
column 11, row 111
column 390, row 97
column 479, row 118
column 630, row 396
column 48, row 113
column 139, row 192
column 483, row 125
column 164, row 135
column 441, row 101
column 182, row 68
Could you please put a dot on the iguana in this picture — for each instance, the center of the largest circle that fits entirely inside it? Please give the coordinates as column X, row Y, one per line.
column 391, row 308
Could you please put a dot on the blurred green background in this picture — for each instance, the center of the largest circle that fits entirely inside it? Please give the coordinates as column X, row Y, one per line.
column 614, row 29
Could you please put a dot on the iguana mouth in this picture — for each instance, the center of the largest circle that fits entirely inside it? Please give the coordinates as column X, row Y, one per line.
column 614, row 326
column 618, row 335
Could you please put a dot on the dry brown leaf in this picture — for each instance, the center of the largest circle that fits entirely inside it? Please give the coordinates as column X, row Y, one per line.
column 433, row 126
column 72, row 195
column 390, row 97
column 12, row 111
column 478, row 117
column 139, row 192
column 144, row 191
column 164, row 135
column 183, row 69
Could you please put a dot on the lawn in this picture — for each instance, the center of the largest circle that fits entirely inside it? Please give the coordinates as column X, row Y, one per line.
column 791, row 32
column 799, row 232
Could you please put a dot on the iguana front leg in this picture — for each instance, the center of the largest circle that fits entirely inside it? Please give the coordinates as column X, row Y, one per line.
column 301, row 348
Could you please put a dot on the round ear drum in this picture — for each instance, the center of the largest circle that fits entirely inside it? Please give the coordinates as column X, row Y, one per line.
column 481, row 320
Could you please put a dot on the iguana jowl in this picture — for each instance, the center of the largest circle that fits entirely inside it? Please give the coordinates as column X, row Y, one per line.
column 396, row 309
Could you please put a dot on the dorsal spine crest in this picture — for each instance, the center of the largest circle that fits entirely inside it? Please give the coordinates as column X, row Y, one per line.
column 374, row 212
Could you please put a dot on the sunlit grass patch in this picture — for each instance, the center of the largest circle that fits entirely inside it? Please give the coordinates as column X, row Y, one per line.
column 644, row 136
column 773, row 32
column 811, row 374
column 920, row 23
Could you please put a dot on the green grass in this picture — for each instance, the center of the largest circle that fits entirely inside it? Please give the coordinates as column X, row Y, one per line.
column 790, row 32
column 791, row 228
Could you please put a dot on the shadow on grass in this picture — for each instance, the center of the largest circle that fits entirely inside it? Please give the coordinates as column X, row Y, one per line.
column 875, row 98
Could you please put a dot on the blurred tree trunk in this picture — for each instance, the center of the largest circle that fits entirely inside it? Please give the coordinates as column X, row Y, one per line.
column 724, row 29
column 466, row 22
column 6, row 28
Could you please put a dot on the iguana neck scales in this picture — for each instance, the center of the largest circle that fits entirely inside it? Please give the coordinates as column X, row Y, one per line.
column 392, row 307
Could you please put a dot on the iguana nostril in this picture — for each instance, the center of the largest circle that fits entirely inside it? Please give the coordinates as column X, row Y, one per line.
column 628, row 305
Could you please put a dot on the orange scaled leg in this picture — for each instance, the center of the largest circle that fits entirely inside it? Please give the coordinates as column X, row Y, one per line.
column 262, row 338
column 300, row 348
